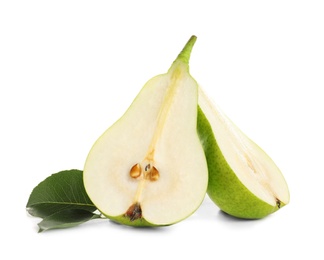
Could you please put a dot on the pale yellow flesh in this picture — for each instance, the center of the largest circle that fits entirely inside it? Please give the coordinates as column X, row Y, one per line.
column 159, row 128
column 254, row 168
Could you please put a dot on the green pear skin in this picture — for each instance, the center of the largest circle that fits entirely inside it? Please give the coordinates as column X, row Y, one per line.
column 224, row 187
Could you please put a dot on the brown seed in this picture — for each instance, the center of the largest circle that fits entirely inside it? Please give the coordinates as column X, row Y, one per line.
column 135, row 171
column 154, row 174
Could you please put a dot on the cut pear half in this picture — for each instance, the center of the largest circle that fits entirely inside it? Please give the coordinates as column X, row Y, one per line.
column 243, row 180
column 149, row 168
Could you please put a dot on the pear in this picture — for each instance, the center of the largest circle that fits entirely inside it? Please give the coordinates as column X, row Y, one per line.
column 243, row 180
column 149, row 167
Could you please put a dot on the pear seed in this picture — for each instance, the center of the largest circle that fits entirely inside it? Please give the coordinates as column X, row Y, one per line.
column 135, row 171
column 154, row 174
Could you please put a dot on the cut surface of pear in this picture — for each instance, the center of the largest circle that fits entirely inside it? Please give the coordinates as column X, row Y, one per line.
column 243, row 180
column 149, row 167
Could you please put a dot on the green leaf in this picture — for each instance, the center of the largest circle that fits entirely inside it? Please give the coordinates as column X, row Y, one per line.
column 66, row 219
column 61, row 200
column 61, row 191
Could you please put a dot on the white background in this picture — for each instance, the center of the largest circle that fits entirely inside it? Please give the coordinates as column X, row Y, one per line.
column 69, row 69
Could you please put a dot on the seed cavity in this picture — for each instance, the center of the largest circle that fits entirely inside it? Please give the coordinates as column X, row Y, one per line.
column 150, row 172
column 278, row 203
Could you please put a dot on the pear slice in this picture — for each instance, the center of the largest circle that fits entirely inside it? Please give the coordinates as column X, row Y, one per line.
column 243, row 180
column 149, row 168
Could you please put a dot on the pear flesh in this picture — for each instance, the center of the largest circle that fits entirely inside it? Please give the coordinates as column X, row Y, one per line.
column 149, row 167
column 243, row 179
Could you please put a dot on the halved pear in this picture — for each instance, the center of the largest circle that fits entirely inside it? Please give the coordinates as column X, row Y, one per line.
column 149, row 168
column 243, row 180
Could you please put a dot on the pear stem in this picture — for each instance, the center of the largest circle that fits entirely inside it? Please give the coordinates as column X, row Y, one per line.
column 184, row 55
